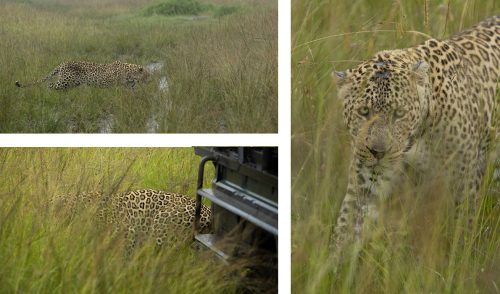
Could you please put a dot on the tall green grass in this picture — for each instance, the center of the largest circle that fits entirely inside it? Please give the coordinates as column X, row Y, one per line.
column 221, row 71
column 417, row 247
column 62, row 252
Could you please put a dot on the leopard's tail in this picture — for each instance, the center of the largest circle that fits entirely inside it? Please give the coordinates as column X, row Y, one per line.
column 42, row 80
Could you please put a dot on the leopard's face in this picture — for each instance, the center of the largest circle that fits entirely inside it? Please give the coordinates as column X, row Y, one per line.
column 385, row 104
column 141, row 74
column 137, row 73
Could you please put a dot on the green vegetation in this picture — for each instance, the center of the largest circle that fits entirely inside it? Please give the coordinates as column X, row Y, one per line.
column 176, row 7
column 221, row 72
column 418, row 246
column 190, row 7
column 225, row 10
column 46, row 252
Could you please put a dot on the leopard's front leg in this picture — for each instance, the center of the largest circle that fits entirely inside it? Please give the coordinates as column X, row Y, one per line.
column 365, row 187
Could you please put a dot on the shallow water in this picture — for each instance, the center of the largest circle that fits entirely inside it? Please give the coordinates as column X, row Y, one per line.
column 163, row 84
column 106, row 124
column 222, row 125
column 152, row 125
column 155, row 66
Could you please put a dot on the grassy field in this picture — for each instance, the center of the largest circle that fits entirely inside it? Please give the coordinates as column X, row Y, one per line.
column 46, row 252
column 219, row 61
column 417, row 247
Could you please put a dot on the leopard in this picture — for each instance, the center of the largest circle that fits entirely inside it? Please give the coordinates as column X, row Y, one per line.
column 72, row 74
column 139, row 214
column 427, row 107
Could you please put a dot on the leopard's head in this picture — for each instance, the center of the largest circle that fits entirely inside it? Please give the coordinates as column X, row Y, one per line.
column 385, row 103
column 141, row 74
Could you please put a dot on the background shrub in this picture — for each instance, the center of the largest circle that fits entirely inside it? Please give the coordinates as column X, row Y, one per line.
column 176, row 7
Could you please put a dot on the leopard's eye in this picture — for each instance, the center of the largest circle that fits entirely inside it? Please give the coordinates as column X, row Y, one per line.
column 399, row 113
column 364, row 111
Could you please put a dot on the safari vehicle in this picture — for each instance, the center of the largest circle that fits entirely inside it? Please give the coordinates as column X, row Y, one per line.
column 244, row 197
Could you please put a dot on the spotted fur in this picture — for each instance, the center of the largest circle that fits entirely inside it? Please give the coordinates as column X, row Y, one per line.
column 72, row 74
column 141, row 213
column 432, row 103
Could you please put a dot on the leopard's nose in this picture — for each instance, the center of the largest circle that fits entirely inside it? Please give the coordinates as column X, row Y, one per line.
column 378, row 153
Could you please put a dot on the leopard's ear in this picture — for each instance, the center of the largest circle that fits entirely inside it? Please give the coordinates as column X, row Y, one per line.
column 341, row 78
column 339, row 74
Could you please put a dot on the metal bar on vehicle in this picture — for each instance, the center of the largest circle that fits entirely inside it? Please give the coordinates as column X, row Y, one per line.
column 209, row 241
column 197, row 209
column 265, row 219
